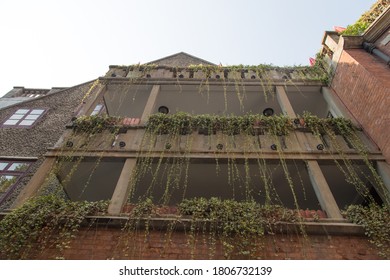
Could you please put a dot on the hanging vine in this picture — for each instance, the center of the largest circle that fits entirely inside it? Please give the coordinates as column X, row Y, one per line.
column 46, row 222
column 240, row 226
column 164, row 157
column 375, row 220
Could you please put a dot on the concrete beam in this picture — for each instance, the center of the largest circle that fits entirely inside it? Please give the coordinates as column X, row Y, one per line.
column 91, row 101
column 211, row 154
column 122, row 188
column 338, row 109
column 322, row 190
column 35, row 183
column 150, row 104
column 383, row 169
column 220, row 82
column 336, row 106
column 284, row 102
column 288, row 110
column 330, row 40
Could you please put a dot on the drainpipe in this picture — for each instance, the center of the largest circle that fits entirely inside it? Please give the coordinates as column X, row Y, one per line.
column 369, row 47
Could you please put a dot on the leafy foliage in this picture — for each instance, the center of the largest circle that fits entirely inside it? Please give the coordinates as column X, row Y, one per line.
column 319, row 126
column 366, row 19
column 43, row 222
column 238, row 224
column 376, row 221
column 184, row 123
column 95, row 124
column 5, row 183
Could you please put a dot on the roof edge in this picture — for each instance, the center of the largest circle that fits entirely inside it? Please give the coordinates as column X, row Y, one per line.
column 170, row 56
column 41, row 97
column 378, row 27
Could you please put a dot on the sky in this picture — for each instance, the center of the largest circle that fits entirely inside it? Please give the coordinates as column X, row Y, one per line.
column 45, row 44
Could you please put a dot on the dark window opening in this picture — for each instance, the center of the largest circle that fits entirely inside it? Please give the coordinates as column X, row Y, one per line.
column 215, row 99
column 163, row 110
column 126, row 101
column 268, row 112
column 11, row 171
column 90, row 179
column 351, row 183
column 172, row 180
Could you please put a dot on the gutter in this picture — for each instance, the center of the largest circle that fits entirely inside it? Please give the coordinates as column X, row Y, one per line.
column 371, row 48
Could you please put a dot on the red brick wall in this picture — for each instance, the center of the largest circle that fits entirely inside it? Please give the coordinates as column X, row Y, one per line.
column 112, row 243
column 362, row 82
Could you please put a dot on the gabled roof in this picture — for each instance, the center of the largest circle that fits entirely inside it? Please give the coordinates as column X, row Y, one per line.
column 180, row 59
column 9, row 102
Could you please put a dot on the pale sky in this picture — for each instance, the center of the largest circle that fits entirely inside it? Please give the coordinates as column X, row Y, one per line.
column 54, row 43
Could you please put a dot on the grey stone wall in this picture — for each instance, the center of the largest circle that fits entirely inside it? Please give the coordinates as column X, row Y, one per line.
column 34, row 141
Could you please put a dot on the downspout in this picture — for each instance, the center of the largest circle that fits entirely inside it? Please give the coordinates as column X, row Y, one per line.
column 369, row 47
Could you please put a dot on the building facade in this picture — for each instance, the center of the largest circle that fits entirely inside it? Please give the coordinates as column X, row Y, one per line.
column 204, row 161
column 32, row 120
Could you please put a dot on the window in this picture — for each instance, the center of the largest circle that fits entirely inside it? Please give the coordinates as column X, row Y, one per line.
column 97, row 110
column 10, row 173
column 90, row 179
column 168, row 182
column 24, row 117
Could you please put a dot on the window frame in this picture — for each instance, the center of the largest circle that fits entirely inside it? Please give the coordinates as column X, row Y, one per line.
column 23, row 118
column 97, row 112
column 19, row 174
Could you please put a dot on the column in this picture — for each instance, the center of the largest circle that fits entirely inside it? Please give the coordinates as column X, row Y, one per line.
column 35, row 182
column 123, row 185
column 288, row 110
column 322, row 190
column 150, row 104
column 284, row 103
column 336, row 107
column 122, row 188
column 383, row 169
column 93, row 100
column 321, row 187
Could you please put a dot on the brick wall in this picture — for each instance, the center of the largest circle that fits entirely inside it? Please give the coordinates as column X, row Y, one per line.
column 362, row 82
column 113, row 243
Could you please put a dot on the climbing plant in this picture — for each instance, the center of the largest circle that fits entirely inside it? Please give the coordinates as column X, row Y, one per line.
column 95, row 124
column 375, row 220
column 366, row 19
column 45, row 222
column 239, row 226
column 185, row 123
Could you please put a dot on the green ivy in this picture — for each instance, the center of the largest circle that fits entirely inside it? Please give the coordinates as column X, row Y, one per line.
column 184, row 123
column 320, row 126
column 95, row 124
column 376, row 222
column 41, row 223
column 238, row 224
column 366, row 19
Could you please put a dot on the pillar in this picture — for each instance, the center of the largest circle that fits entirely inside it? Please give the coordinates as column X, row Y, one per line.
column 150, row 104
column 35, row 182
column 322, row 190
column 321, row 187
column 122, row 188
